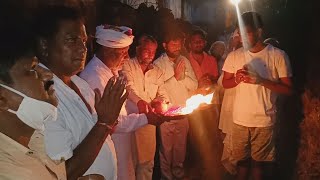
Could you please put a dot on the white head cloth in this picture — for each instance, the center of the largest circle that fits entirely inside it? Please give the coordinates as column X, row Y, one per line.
column 114, row 36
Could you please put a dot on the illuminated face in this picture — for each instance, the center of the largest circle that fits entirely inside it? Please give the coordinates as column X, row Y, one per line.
column 173, row 48
column 114, row 58
column 218, row 50
column 146, row 52
column 32, row 80
column 67, row 50
column 197, row 43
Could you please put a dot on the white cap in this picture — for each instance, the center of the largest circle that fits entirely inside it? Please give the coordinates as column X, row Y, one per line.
column 114, row 36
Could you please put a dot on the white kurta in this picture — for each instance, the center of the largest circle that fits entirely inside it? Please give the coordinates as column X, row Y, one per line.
column 178, row 91
column 97, row 74
column 144, row 86
column 73, row 125
column 174, row 133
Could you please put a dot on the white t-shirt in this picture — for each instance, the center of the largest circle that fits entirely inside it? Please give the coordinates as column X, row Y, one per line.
column 254, row 105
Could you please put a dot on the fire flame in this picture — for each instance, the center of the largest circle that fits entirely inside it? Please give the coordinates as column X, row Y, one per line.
column 191, row 104
column 195, row 101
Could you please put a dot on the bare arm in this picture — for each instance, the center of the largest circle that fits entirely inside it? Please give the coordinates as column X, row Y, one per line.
column 282, row 87
column 86, row 152
column 230, row 80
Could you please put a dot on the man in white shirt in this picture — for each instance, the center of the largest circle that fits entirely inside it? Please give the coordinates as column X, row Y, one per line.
column 85, row 117
column 27, row 100
column 258, row 72
column 112, row 51
column 180, row 82
column 146, row 88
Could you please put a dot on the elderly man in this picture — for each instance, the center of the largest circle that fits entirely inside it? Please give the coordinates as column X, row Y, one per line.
column 85, row 118
column 112, row 51
column 146, row 88
column 204, row 66
column 218, row 50
column 258, row 72
column 27, row 101
column 179, row 82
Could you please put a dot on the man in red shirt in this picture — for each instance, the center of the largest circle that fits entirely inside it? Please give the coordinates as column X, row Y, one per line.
column 204, row 65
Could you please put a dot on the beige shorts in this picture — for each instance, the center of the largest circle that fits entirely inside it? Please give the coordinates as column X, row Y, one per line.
column 253, row 142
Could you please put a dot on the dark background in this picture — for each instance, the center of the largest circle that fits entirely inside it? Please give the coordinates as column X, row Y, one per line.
column 293, row 22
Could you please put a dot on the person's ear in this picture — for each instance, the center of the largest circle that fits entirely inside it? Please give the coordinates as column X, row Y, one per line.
column 3, row 101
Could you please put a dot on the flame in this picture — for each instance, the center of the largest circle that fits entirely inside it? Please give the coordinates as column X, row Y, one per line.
column 195, row 101
column 191, row 104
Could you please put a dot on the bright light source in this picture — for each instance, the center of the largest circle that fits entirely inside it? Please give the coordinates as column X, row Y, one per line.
column 235, row 2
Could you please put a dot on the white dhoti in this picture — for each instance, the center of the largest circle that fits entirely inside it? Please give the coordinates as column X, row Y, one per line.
column 123, row 144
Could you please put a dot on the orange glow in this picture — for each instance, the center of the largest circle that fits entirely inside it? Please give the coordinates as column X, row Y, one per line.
column 191, row 104
column 195, row 101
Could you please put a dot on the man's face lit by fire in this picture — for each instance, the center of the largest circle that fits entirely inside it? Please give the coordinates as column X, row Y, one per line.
column 114, row 58
column 146, row 52
column 173, row 48
column 197, row 43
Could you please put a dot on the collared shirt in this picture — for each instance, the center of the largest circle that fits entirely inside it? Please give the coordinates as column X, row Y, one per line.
column 255, row 105
column 208, row 65
column 178, row 91
column 97, row 75
column 73, row 125
column 142, row 86
column 19, row 162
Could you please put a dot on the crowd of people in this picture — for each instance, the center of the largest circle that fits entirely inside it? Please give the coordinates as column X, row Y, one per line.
column 63, row 117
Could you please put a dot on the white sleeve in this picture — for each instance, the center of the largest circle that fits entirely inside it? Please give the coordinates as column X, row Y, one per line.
column 131, row 122
column 229, row 65
column 58, row 139
column 161, row 92
column 129, row 73
column 95, row 83
column 190, row 81
column 283, row 65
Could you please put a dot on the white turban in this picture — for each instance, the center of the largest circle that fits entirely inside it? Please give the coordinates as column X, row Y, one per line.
column 114, row 36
